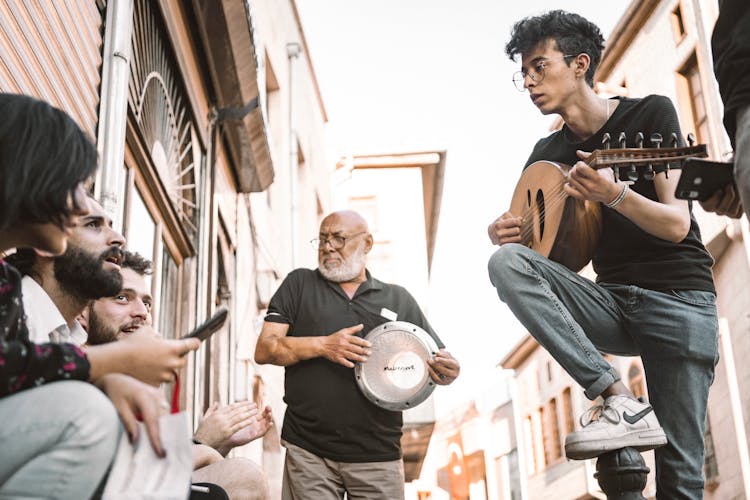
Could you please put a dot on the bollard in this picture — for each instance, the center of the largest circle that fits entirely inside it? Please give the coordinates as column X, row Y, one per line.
column 622, row 474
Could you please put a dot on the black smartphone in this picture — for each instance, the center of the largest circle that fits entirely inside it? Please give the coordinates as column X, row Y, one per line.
column 702, row 178
column 211, row 325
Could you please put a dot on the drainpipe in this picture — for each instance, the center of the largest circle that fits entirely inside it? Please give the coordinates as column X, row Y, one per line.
column 113, row 109
column 293, row 51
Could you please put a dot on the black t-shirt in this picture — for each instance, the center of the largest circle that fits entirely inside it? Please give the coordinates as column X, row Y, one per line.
column 326, row 412
column 626, row 253
column 730, row 45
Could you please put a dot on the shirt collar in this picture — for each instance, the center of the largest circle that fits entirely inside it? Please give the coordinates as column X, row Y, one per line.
column 43, row 318
column 370, row 283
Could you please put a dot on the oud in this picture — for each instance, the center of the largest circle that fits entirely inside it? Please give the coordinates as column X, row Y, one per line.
column 567, row 230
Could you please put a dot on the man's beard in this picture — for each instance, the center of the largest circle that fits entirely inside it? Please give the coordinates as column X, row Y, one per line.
column 348, row 269
column 101, row 332
column 83, row 275
column 98, row 331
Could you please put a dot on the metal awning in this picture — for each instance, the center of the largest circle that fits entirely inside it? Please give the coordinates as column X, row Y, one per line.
column 227, row 33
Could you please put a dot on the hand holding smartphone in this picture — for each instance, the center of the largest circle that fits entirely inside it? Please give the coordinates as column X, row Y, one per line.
column 210, row 326
column 702, row 178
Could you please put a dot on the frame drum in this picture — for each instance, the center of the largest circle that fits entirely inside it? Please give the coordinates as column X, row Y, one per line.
column 396, row 375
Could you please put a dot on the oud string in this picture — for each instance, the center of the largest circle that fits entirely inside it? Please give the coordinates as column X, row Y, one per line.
column 609, row 158
column 558, row 197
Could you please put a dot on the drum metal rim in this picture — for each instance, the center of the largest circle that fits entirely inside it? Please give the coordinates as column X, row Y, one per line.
column 427, row 342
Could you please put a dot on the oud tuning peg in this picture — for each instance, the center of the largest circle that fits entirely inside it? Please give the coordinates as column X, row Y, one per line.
column 691, row 139
column 631, row 173
column 656, row 140
column 606, row 140
column 648, row 170
column 673, row 142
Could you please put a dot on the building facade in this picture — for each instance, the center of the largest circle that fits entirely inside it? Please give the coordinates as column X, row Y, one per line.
column 658, row 47
column 663, row 46
column 209, row 126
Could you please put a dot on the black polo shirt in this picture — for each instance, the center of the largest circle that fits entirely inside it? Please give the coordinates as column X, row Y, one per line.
column 326, row 412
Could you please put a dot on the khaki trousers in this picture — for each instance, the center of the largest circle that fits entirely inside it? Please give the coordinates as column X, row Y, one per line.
column 310, row 477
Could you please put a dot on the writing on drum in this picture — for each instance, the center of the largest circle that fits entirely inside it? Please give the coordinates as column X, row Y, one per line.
column 405, row 370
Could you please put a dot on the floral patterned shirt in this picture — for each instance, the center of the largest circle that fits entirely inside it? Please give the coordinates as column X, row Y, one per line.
column 23, row 364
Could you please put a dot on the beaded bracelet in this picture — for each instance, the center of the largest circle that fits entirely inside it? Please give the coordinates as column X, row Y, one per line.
column 620, row 197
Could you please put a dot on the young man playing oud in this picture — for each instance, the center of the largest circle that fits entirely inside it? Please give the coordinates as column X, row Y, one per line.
column 654, row 294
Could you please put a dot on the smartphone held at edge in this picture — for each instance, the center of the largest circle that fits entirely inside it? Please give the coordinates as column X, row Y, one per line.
column 210, row 326
column 702, row 178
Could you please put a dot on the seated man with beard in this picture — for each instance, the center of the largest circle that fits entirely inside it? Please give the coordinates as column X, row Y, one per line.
column 56, row 289
column 336, row 440
column 222, row 428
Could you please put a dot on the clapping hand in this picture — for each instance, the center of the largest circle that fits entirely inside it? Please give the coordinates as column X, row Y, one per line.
column 258, row 428
column 224, row 427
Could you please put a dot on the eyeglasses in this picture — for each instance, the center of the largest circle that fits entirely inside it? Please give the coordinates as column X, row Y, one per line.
column 336, row 241
column 536, row 73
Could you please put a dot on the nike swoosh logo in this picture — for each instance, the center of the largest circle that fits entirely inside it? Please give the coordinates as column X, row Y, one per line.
column 631, row 419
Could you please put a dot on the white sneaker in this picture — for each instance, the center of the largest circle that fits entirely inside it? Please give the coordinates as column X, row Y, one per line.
column 619, row 423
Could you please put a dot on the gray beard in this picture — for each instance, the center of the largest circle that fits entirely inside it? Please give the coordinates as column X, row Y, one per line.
column 348, row 270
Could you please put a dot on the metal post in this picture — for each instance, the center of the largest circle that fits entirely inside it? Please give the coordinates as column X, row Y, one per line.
column 293, row 51
column 113, row 107
column 622, row 474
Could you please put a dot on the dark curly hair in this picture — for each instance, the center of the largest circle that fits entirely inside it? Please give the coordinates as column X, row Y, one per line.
column 136, row 262
column 572, row 33
column 44, row 156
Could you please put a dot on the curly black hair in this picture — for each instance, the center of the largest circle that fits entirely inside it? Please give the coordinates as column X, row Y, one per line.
column 572, row 33
column 136, row 262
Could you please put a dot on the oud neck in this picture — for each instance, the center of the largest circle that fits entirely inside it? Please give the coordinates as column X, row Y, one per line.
column 601, row 158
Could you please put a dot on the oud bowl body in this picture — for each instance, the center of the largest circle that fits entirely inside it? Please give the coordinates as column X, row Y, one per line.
column 555, row 225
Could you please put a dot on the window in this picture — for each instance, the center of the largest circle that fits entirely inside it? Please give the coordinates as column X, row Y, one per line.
column 692, row 102
column 678, row 24
column 537, row 421
column 168, row 306
column 165, row 165
column 142, row 239
column 529, row 446
column 567, row 408
column 508, row 476
column 551, row 432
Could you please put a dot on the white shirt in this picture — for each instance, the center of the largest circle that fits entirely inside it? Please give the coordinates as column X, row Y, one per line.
column 44, row 320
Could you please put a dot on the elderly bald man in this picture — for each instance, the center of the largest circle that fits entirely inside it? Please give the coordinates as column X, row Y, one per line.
column 336, row 440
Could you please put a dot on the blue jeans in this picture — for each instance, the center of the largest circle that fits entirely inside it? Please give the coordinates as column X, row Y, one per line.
column 56, row 441
column 674, row 333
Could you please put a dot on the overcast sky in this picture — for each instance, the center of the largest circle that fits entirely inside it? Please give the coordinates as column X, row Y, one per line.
column 414, row 75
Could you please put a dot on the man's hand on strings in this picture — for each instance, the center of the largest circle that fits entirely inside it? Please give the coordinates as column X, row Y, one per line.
column 585, row 183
